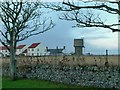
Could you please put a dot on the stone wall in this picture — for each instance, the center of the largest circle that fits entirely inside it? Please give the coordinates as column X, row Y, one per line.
column 105, row 77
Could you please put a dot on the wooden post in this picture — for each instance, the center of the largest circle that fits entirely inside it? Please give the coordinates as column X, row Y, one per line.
column 106, row 62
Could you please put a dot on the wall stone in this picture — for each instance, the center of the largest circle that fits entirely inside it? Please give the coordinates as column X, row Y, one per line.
column 105, row 77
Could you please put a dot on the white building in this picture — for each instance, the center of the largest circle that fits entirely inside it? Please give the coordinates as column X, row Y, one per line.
column 3, row 51
column 20, row 49
column 25, row 52
column 36, row 49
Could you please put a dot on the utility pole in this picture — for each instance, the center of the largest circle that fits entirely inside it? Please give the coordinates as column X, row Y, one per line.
column 106, row 62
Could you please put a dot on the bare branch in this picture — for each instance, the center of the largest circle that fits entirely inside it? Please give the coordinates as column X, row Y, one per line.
column 22, row 20
column 6, row 45
column 44, row 26
column 75, row 11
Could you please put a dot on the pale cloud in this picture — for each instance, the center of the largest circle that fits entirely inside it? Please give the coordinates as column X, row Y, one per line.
column 97, row 37
column 107, row 43
column 88, row 32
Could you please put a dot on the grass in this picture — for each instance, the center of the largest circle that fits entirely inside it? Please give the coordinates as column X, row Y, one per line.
column 25, row 83
column 0, row 82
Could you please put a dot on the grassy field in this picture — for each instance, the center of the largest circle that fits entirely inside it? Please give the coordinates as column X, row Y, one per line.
column 25, row 83
column 88, row 60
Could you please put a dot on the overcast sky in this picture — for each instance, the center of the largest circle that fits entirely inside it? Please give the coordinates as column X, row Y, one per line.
column 96, row 40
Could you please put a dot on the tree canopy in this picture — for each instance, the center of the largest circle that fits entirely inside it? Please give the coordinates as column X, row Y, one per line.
column 83, row 12
column 21, row 20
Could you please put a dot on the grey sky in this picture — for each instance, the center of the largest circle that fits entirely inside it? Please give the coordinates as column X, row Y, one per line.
column 96, row 39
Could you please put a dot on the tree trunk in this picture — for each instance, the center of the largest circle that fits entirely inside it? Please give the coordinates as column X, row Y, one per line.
column 12, row 63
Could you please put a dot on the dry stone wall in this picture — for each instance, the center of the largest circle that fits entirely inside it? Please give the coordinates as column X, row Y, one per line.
column 105, row 77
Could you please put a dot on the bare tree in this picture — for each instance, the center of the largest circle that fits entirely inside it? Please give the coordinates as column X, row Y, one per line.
column 83, row 13
column 21, row 20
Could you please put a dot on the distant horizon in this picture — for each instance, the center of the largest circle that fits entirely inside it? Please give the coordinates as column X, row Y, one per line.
column 72, row 51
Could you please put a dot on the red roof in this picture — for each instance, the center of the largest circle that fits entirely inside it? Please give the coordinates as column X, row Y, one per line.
column 3, row 47
column 20, row 46
column 34, row 45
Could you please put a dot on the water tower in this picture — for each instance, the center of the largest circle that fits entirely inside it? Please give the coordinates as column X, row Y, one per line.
column 78, row 45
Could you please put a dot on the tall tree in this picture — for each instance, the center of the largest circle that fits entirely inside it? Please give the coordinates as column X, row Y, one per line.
column 21, row 20
column 82, row 12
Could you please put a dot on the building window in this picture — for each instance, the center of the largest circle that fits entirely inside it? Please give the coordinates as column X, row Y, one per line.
column 37, row 49
column 32, row 54
column 32, row 49
column 37, row 54
column 6, row 51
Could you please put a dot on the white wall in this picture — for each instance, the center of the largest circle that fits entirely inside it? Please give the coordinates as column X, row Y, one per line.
column 5, row 52
column 38, row 51
column 19, row 51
